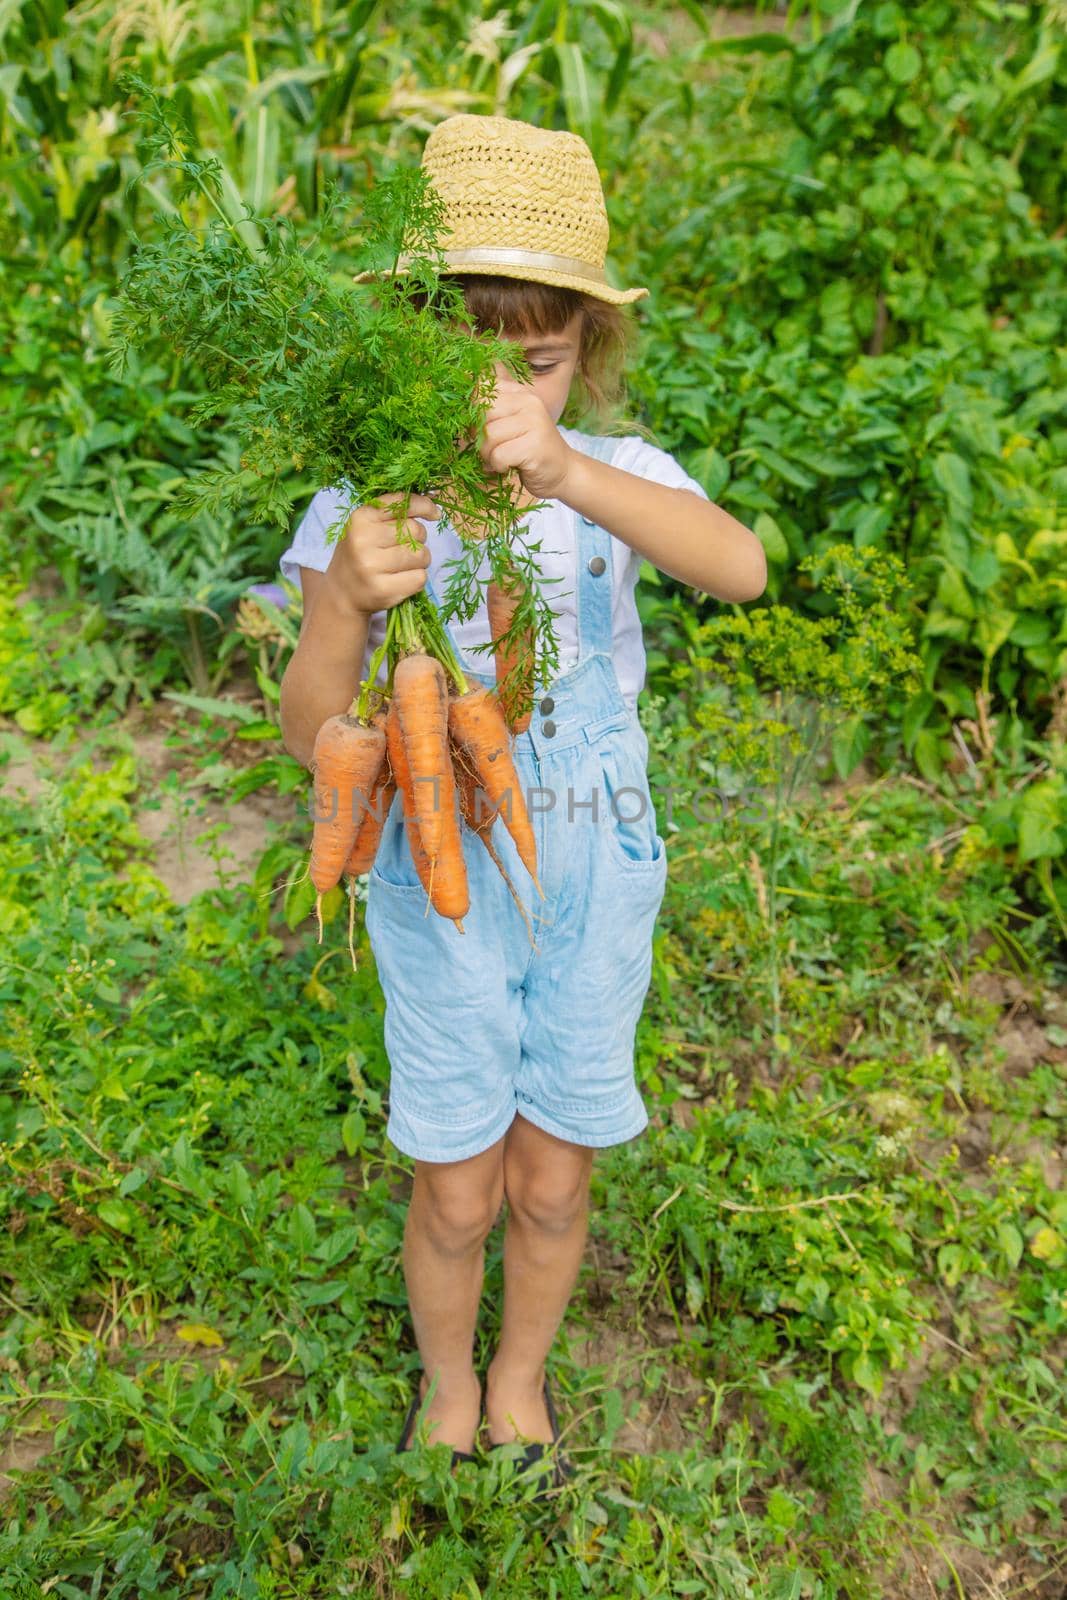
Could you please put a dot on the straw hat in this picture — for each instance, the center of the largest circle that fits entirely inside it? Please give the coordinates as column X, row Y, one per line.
column 520, row 202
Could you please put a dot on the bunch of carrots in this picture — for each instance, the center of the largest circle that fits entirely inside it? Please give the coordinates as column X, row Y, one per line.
column 446, row 746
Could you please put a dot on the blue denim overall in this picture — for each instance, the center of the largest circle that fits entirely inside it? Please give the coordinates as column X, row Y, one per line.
column 481, row 1025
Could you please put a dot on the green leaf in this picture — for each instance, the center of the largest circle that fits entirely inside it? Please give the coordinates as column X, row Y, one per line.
column 299, row 899
column 116, row 1215
column 785, row 469
column 927, row 754
column 771, row 538
column 953, row 475
column 259, row 730
column 954, row 595
column 353, row 1131
column 903, row 62
column 849, row 744
column 1041, row 813
column 867, row 1373
column 239, row 1184
column 916, row 712
column 579, row 95
column 1041, row 66
column 130, row 1392
column 231, row 710
column 710, row 469
column 302, row 1230
column 1010, row 1241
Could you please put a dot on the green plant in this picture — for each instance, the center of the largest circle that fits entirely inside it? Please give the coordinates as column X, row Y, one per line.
column 379, row 394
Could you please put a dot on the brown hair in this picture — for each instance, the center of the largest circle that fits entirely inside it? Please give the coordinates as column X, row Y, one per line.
column 516, row 305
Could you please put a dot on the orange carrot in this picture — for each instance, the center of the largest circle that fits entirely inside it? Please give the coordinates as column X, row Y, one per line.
column 514, row 686
column 477, row 725
column 445, row 881
column 421, row 696
column 369, row 836
column 479, row 817
column 345, row 761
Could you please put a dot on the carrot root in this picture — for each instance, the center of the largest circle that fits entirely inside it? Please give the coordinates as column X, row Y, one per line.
column 477, row 726
column 346, row 760
column 514, row 687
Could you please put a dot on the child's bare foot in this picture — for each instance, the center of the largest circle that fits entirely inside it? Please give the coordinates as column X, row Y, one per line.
column 453, row 1415
column 516, row 1402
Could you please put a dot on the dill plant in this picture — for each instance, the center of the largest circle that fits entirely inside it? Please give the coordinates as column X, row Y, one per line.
column 375, row 389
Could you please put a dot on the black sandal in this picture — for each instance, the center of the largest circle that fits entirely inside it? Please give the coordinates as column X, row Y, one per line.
column 562, row 1468
column 404, row 1442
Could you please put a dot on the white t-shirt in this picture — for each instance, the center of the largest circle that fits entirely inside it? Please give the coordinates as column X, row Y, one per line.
column 555, row 527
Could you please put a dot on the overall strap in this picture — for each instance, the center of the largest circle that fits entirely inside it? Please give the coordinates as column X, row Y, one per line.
column 594, row 561
column 595, row 578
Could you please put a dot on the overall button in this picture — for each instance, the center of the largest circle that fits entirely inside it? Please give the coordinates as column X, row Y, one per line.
column 548, row 729
column 547, row 705
column 597, row 565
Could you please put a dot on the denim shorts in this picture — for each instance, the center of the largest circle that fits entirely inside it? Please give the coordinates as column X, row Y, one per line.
column 480, row 1025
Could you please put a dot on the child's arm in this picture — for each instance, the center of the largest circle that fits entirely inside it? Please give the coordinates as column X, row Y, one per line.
column 692, row 539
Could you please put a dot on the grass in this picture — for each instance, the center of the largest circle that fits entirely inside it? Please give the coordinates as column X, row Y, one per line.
column 817, row 1344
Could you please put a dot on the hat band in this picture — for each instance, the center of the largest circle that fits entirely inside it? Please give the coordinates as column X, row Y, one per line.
column 505, row 256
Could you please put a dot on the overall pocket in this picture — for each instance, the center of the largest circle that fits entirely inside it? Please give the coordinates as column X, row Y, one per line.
column 629, row 816
column 393, row 865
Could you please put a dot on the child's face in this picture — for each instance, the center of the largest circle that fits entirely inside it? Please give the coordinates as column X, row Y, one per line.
column 553, row 359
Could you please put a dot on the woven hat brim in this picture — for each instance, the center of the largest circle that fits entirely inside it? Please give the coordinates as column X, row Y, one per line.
column 559, row 280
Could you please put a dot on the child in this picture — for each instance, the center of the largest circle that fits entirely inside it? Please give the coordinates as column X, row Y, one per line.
column 509, row 1066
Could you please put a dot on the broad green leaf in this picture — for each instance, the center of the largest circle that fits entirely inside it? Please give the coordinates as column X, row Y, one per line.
column 710, row 469
column 232, row 710
column 849, row 744
column 903, row 62
column 991, row 631
column 299, row 900
column 1010, row 1241
column 1042, row 814
column 353, row 1131
column 952, row 474
column 771, row 538
column 302, row 1230
column 915, row 715
column 953, row 594
column 870, row 526
column 130, row 1391
column 1041, row 66
column 785, row 469
column 239, row 1184
column 983, row 568
column 867, row 1374
column 1030, row 629
column 580, row 97
column 927, row 754
column 116, row 1215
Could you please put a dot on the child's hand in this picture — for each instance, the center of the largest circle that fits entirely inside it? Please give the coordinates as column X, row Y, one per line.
column 370, row 566
column 520, row 434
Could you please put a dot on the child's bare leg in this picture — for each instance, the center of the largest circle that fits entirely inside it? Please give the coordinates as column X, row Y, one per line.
column 454, row 1205
column 547, row 1185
